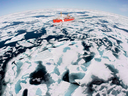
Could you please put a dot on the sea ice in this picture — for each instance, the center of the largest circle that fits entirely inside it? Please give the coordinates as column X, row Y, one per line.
column 86, row 57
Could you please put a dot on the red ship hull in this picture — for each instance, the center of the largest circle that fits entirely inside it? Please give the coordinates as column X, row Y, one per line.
column 64, row 20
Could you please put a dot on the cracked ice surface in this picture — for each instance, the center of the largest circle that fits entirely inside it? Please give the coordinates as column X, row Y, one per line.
column 86, row 57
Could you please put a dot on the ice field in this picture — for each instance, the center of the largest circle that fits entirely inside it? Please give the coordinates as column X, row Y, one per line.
column 84, row 57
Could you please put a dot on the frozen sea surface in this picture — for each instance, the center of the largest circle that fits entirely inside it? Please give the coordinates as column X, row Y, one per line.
column 84, row 57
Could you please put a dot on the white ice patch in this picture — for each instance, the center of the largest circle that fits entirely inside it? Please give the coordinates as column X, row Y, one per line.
column 25, row 43
column 42, row 55
column 97, row 69
column 39, row 90
column 61, row 89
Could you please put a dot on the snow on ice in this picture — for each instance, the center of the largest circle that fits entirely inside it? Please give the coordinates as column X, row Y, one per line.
column 85, row 57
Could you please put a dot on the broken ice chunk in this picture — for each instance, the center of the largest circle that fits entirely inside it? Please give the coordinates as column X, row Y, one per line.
column 17, row 38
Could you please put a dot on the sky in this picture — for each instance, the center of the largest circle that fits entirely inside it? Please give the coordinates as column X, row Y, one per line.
column 113, row 6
